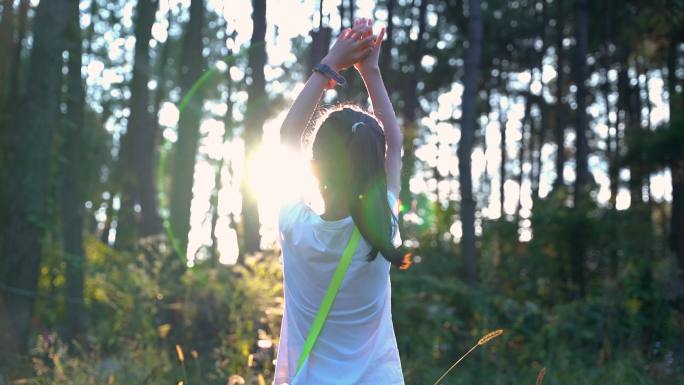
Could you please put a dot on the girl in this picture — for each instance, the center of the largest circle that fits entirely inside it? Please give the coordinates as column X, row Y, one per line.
column 357, row 161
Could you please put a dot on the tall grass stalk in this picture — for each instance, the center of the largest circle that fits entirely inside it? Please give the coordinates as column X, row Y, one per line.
column 486, row 338
column 181, row 358
column 540, row 376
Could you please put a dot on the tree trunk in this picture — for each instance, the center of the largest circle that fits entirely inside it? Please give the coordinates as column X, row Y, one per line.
column 386, row 54
column 676, row 166
column 228, row 125
column 582, row 151
column 16, row 56
column 151, row 223
column 471, row 82
column 320, row 42
column 72, row 203
column 622, row 110
column 254, row 122
column 28, row 214
column 410, row 108
column 6, row 40
column 633, row 134
column 135, row 144
column 560, row 84
column 192, row 66
column 502, row 170
column 526, row 121
column 611, row 139
column 351, row 8
column 538, row 130
column 6, row 43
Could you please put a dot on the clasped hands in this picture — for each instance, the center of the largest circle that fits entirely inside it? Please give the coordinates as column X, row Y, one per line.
column 357, row 47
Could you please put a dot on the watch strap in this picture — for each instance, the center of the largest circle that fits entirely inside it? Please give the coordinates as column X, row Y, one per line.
column 330, row 73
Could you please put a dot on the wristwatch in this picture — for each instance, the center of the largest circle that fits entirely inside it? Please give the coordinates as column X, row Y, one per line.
column 330, row 73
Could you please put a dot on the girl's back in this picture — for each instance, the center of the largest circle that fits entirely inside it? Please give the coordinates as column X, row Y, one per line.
column 357, row 344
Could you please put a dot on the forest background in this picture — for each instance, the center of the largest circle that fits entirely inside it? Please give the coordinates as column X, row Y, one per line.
column 542, row 188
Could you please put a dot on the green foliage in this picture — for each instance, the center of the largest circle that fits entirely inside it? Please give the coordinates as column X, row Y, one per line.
column 624, row 331
column 138, row 311
column 659, row 148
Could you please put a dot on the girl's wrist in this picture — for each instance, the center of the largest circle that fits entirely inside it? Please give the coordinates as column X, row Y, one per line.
column 332, row 63
column 370, row 71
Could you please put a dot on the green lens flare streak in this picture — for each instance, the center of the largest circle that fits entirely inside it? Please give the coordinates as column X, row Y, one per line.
column 167, row 146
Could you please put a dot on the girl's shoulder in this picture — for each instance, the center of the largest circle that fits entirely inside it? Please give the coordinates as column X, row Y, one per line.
column 290, row 211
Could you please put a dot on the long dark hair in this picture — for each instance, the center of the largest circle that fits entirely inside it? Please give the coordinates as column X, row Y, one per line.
column 349, row 151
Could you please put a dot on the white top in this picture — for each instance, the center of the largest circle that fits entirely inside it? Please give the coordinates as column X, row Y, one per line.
column 357, row 345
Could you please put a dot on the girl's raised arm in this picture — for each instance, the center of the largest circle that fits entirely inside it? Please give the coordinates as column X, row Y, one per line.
column 351, row 46
column 382, row 109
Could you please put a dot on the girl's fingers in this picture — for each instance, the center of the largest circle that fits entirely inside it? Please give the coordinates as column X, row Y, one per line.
column 366, row 42
column 360, row 33
column 381, row 35
column 344, row 34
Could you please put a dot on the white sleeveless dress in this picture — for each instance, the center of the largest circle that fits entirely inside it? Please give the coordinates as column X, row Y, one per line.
column 357, row 345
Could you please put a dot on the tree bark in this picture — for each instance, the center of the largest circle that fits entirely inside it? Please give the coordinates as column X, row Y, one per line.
column 504, row 157
column 560, row 84
column 228, row 125
column 136, row 146
column 6, row 43
column 633, row 134
column 6, row 40
column 410, row 108
column 254, row 122
column 582, row 150
column 526, row 121
column 320, row 42
column 676, row 166
column 538, row 127
column 471, row 82
column 622, row 110
column 16, row 57
column 386, row 54
column 192, row 66
column 72, row 202
column 28, row 214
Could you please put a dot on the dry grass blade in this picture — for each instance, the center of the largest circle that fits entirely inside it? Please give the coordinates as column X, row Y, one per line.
column 540, row 376
column 488, row 337
column 179, row 352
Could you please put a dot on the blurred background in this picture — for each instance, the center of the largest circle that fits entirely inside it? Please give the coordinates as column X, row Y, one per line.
column 140, row 180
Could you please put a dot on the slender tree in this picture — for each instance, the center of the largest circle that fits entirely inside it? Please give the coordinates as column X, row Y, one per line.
column 560, row 85
column 386, row 57
column 410, row 108
column 72, row 191
column 471, row 82
column 582, row 150
column 503, row 155
column 320, row 40
column 254, row 121
column 27, row 218
column 22, row 25
column 676, row 164
column 192, row 66
column 136, row 144
column 228, row 124
column 6, row 43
